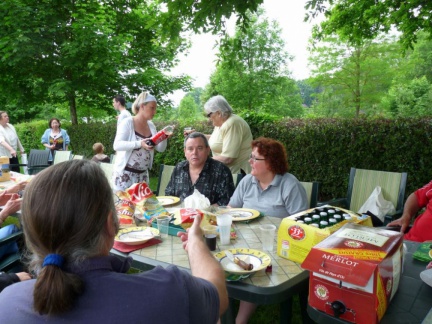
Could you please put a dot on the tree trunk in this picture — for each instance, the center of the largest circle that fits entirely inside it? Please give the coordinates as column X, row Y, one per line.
column 72, row 109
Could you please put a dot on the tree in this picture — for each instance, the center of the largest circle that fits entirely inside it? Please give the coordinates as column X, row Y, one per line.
column 83, row 52
column 357, row 75
column 187, row 109
column 410, row 100
column 355, row 20
column 252, row 71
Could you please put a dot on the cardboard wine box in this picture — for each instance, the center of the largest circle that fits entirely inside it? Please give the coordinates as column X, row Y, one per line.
column 295, row 240
column 355, row 273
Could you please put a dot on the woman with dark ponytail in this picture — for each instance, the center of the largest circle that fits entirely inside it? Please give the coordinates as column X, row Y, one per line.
column 69, row 223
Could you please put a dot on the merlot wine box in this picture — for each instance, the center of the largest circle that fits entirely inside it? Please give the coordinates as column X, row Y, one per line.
column 355, row 273
column 296, row 239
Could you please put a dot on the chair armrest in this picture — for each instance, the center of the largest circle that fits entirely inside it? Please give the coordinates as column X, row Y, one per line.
column 11, row 238
column 337, row 202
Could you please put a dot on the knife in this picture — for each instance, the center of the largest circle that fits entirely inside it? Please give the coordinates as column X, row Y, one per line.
column 239, row 262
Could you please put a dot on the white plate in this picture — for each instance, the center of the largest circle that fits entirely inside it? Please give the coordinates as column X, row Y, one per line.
column 136, row 235
column 426, row 276
column 259, row 260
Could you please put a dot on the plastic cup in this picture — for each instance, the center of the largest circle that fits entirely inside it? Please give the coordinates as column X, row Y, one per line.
column 224, row 222
column 222, row 209
column 163, row 226
column 267, row 236
column 211, row 241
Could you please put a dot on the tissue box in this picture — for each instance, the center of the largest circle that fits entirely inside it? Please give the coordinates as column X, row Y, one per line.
column 295, row 240
column 355, row 273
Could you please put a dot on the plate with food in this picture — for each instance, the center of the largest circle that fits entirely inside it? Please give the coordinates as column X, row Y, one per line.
column 168, row 200
column 136, row 235
column 242, row 261
column 242, row 214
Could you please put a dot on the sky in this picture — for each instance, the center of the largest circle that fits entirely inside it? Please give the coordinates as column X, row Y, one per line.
column 200, row 61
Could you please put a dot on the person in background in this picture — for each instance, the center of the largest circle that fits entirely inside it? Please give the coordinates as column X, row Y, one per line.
column 210, row 177
column 99, row 156
column 134, row 156
column 270, row 189
column 9, row 142
column 231, row 137
column 119, row 104
column 69, row 241
column 55, row 138
column 416, row 201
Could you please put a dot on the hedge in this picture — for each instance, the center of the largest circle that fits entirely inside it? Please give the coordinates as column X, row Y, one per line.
column 321, row 150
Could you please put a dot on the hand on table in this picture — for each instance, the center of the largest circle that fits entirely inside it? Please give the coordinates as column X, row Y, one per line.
column 403, row 222
column 192, row 234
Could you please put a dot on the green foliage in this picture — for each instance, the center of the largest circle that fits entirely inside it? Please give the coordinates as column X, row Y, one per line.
column 352, row 78
column 252, row 71
column 410, row 100
column 79, row 54
column 83, row 136
column 355, row 20
column 321, row 149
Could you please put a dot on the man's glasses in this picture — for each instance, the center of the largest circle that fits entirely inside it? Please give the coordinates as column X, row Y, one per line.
column 253, row 158
column 209, row 114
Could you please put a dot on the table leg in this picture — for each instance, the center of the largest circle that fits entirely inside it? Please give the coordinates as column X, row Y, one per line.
column 286, row 311
column 303, row 300
column 228, row 316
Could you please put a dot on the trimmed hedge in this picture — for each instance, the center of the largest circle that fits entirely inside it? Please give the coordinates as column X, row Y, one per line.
column 321, row 150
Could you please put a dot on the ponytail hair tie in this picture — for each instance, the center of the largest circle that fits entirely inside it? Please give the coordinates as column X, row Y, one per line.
column 53, row 259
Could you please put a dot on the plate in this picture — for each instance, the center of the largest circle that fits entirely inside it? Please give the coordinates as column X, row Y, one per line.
column 136, row 235
column 426, row 276
column 242, row 214
column 168, row 200
column 259, row 259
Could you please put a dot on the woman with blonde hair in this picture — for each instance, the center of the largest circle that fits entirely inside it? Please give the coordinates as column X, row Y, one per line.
column 134, row 156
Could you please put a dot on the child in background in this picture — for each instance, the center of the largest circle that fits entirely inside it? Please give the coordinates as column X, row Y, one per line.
column 99, row 156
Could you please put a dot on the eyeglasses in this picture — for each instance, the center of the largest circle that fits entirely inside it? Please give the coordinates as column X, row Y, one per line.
column 253, row 158
column 209, row 115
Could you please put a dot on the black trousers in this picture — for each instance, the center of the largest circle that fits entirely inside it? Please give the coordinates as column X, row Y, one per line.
column 14, row 160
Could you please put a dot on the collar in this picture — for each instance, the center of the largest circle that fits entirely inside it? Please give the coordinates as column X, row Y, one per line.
column 110, row 263
column 205, row 167
column 275, row 182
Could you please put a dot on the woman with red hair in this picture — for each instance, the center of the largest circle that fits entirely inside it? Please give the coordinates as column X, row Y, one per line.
column 269, row 188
